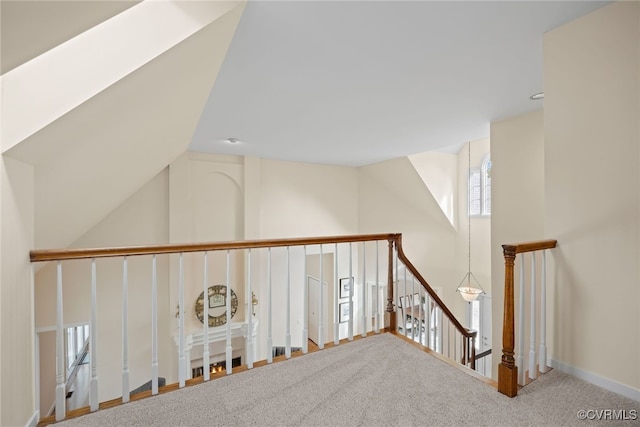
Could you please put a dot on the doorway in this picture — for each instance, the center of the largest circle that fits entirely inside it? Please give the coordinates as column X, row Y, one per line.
column 313, row 285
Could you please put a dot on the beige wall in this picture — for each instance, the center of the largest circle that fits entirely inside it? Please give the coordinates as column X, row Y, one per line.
column 142, row 219
column 16, row 294
column 205, row 198
column 517, row 211
column 592, row 200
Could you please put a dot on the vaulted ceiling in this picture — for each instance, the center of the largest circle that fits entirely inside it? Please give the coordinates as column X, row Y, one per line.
column 358, row 82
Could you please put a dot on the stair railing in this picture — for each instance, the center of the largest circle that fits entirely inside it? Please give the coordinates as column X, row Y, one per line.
column 423, row 317
column 511, row 370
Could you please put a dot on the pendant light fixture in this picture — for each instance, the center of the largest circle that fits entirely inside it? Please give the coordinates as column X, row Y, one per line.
column 467, row 290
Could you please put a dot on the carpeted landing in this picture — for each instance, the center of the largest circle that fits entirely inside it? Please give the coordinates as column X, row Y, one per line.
column 377, row 381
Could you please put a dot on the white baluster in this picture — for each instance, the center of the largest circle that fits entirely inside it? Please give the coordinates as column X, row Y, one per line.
column 405, row 302
column 350, row 324
column 542, row 353
column 287, row 349
column 154, row 326
column 229, row 349
column 396, row 292
column 336, row 295
column 206, row 355
column 321, row 319
column 363, row 301
column 305, row 304
column 182, row 363
column 125, row 332
column 250, row 316
column 410, row 309
column 532, row 331
column 520, row 357
column 427, row 319
column 60, row 365
column 269, row 320
column 377, row 290
column 93, row 343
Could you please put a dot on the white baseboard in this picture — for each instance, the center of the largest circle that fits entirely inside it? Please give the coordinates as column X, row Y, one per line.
column 33, row 421
column 605, row 383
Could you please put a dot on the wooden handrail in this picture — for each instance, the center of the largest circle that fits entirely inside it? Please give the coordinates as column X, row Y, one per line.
column 68, row 254
column 392, row 238
column 464, row 331
column 470, row 335
column 518, row 248
column 507, row 369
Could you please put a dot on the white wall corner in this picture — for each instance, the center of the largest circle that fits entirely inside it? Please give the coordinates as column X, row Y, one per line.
column 33, row 421
column 606, row 383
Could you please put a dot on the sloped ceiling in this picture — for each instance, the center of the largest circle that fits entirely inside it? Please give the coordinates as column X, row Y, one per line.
column 109, row 146
column 30, row 28
column 357, row 82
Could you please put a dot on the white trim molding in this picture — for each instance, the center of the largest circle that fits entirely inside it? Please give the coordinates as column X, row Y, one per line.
column 33, row 421
column 606, row 383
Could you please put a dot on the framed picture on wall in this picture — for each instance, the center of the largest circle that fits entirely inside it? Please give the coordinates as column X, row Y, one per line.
column 345, row 286
column 343, row 308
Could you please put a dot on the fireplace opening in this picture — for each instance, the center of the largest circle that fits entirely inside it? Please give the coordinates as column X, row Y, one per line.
column 216, row 367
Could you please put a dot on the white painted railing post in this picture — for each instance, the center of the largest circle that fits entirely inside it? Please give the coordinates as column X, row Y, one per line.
column 93, row 342
column 305, row 305
column 542, row 352
column 363, row 300
column 125, row 331
column 249, row 299
column 154, row 326
column 532, row 330
column 269, row 319
column 321, row 304
column 520, row 358
column 404, row 303
column 181, row 356
column 206, row 355
column 351, row 282
column 377, row 290
column 60, row 350
column 336, row 296
column 287, row 349
column 229, row 349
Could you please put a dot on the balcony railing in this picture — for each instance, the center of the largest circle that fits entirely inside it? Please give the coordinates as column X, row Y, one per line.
column 250, row 296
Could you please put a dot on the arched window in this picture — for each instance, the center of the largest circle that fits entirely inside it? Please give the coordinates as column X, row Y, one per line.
column 480, row 189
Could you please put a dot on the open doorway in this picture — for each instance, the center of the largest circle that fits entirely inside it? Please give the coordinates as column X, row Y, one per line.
column 320, row 324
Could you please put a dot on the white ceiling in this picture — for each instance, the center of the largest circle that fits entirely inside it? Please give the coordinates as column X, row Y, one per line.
column 353, row 83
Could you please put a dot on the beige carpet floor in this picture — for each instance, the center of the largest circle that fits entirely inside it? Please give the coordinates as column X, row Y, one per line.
column 377, row 381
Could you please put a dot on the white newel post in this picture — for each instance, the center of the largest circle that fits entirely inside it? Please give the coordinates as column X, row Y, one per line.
column 363, row 292
column 269, row 317
column 125, row 332
column 60, row 365
column 542, row 353
column 229, row 349
column 305, row 305
column 520, row 358
column 154, row 326
column 287, row 350
column 336, row 296
column 249, row 299
column 205, row 316
column 532, row 325
column 182, row 363
column 376, row 288
column 351, row 282
column 320, row 304
column 93, row 341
